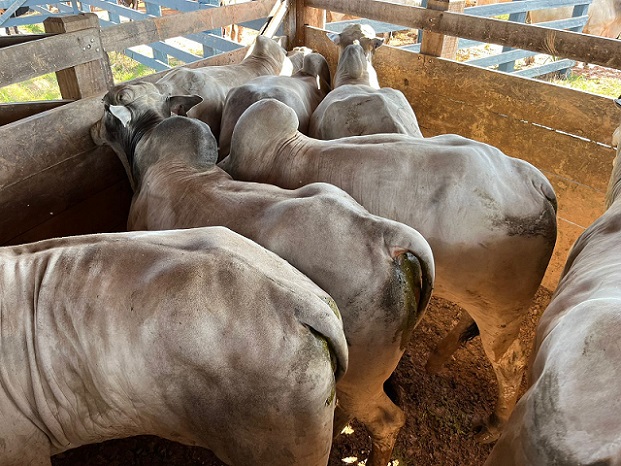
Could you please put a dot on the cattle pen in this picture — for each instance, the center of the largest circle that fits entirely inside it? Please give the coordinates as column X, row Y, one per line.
column 54, row 181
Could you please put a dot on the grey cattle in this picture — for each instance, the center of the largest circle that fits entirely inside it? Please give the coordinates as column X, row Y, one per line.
column 212, row 83
column 571, row 413
column 604, row 17
column 355, row 108
column 379, row 272
column 302, row 91
column 490, row 219
column 198, row 336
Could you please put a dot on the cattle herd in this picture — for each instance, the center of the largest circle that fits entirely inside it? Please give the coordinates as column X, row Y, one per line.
column 285, row 235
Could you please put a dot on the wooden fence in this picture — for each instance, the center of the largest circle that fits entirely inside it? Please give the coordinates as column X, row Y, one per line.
column 53, row 180
column 516, row 11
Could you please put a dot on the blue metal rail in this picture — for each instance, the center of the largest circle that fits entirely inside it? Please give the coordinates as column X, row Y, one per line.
column 517, row 11
column 203, row 44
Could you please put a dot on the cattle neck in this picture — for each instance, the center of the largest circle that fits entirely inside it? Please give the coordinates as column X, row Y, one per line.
column 355, row 67
column 131, row 135
column 263, row 65
column 178, row 139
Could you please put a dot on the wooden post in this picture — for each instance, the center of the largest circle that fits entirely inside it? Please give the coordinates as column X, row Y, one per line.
column 90, row 78
column 299, row 16
column 439, row 45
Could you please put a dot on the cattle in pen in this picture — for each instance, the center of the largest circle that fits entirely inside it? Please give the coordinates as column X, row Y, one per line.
column 355, row 108
column 490, row 219
column 302, row 91
column 571, row 413
column 212, row 83
column 198, row 336
column 379, row 272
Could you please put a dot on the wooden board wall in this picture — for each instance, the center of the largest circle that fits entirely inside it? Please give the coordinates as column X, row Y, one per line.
column 54, row 181
column 565, row 133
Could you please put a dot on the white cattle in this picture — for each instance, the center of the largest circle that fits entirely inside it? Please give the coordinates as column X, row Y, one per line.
column 302, row 91
column 356, row 108
column 198, row 336
column 212, row 83
column 365, row 36
column 604, row 17
column 378, row 271
column 490, row 219
column 571, row 413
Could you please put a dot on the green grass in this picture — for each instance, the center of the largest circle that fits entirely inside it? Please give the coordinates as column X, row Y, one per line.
column 126, row 69
column 609, row 87
column 46, row 87
column 41, row 88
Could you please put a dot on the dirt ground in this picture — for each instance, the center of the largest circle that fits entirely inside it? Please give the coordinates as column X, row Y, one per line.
column 440, row 410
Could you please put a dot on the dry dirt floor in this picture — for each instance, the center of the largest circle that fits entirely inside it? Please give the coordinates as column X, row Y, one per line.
column 440, row 409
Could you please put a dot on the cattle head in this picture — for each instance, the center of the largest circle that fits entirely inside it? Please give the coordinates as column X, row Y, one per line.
column 132, row 111
column 296, row 55
column 363, row 33
column 315, row 65
column 267, row 53
column 614, row 184
column 353, row 68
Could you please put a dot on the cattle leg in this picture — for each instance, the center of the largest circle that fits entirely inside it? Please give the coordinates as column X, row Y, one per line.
column 383, row 420
column 503, row 348
column 450, row 343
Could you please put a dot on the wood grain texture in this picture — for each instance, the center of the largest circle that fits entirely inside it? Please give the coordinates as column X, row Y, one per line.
column 581, row 47
column 440, row 45
column 585, row 115
column 88, row 78
column 48, row 55
column 55, row 181
column 16, row 111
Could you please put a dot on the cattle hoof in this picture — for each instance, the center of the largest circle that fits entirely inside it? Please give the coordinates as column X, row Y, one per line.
column 487, row 431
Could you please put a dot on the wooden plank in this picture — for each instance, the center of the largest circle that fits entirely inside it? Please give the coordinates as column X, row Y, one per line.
column 49, row 164
column 439, row 45
column 549, row 150
column 33, row 199
column 103, row 212
column 48, row 55
column 6, row 41
column 125, row 35
column 88, row 78
column 582, row 114
column 16, row 111
column 299, row 16
column 581, row 47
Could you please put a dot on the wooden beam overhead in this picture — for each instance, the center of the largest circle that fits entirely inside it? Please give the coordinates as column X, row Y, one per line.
column 582, row 47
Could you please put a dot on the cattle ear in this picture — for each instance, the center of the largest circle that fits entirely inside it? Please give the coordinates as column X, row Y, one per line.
column 378, row 42
column 181, row 104
column 334, row 37
column 122, row 113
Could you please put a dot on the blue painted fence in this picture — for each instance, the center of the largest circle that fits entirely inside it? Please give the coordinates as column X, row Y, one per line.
column 517, row 11
column 204, row 44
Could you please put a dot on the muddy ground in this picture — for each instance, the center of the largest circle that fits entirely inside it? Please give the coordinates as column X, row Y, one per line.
column 440, row 410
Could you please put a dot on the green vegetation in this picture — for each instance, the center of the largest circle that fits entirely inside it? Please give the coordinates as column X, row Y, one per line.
column 46, row 88
column 606, row 86
column 41, row 88
column 126, row 69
